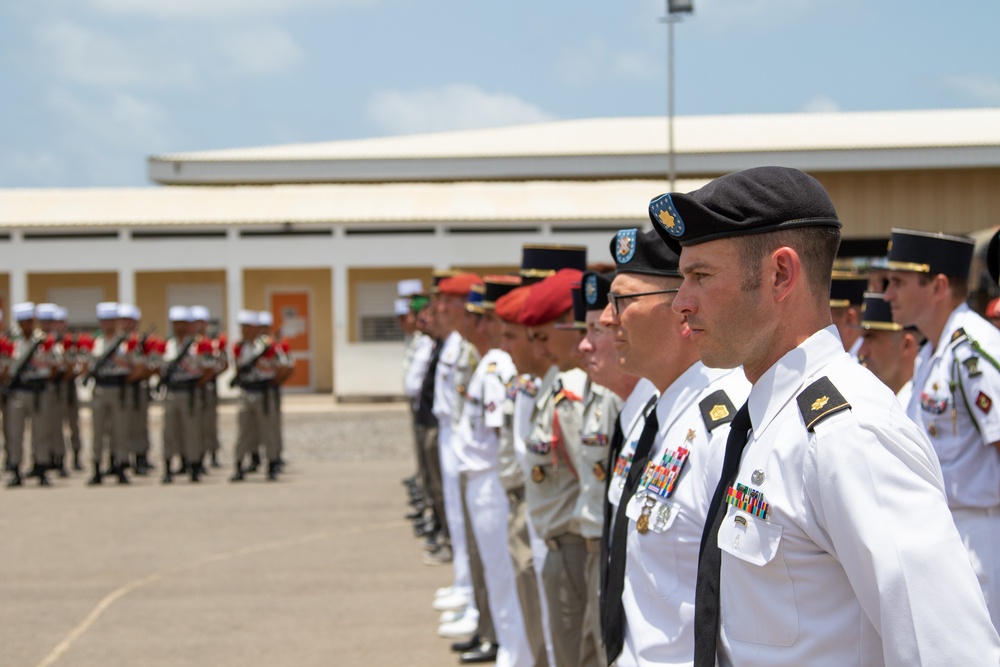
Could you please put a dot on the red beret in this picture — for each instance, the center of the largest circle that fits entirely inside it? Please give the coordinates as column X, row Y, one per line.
column 993, row 309
column 508, row 307
column 459, row 285
column 550, row 298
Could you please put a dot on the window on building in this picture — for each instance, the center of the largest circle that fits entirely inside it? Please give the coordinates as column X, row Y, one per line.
column 376, row 320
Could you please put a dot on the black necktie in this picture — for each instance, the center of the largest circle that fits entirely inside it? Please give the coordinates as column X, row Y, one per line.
column 706, row 601
column 609, row 465
column 613, row 625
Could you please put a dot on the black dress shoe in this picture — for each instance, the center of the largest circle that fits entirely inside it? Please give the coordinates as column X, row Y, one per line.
column 485, row 652
column 469, row 644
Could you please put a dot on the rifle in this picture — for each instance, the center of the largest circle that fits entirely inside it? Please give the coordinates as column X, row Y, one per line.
column 15, row 377
column 243, row 369
column 174, row 363
column 103, row 359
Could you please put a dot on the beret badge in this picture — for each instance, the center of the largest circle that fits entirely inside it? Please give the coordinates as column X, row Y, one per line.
column 590, row 289
column 625, row 246
column 663, row 212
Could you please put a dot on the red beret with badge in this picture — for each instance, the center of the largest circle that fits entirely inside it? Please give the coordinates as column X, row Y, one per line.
column 550, row 298
column 459, row 285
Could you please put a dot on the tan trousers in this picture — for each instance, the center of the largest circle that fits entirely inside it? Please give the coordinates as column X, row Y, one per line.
column 566, row 593
column 22, row 408
column 138, row 416
column 486, row 631
column 524, row 572
column 110, row 422
column 182, row 426
column 52, row 446
column 210, row 418
column 255, row 422
column 592, row 652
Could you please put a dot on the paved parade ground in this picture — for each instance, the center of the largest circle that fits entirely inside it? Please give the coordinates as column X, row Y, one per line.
column 319, row 568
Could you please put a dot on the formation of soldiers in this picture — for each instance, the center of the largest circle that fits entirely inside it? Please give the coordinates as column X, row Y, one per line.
column 680, row 458
column 43, row 366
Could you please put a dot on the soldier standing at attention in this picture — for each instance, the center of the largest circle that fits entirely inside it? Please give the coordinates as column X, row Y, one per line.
column 183, row 373
column 111, row 369
column 661, row 496
column 254, row 373
column 214, row 357
column 554, row 459
column 53, row 446
column 955, row 382
column 809, row 553
column 140, row 349
column 76, row 348
column 29, row 371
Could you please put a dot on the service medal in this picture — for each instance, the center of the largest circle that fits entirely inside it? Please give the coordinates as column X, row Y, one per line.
column 537, row 474
column 642, row 525
column 932, row 430
column 600, row 474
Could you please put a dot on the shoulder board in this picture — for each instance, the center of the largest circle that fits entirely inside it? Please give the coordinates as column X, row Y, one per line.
column 820, row 400
column 958, row 335
column 492, row 367
column 717, row 409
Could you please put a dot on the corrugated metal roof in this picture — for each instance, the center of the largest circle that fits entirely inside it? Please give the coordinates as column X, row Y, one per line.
column 647, row 135
column 311, row 204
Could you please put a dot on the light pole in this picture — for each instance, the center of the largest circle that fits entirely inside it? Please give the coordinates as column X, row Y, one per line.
column 675, row 9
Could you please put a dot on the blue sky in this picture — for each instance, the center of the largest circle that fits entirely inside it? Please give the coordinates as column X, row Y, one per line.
column 92, row 87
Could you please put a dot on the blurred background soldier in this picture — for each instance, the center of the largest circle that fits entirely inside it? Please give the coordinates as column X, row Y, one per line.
column 182, row 372
column 254, row 374
column 846, row 296
column 53, row 447
column 75, row 349
column 111, row 369
column 140, row 349
column 215, row 359
column 888, row 349
column 29, row 371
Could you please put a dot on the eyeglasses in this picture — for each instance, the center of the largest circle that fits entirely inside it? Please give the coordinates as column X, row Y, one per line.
column 616, row 299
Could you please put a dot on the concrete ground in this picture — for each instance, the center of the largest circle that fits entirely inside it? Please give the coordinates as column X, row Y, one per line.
column 318, row 568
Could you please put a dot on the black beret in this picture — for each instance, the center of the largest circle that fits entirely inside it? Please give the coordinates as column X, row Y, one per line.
column 753, row 201
column 595, row 289
column 930, row 252
column 541, row 261
column 642, row 252
column 847, row 289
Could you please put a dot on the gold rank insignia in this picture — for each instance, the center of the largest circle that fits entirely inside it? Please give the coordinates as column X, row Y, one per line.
column 667, row 220
column 600, row 474
column 492, row 368
column 819, row 403
column 718, row 412
column 538, row 474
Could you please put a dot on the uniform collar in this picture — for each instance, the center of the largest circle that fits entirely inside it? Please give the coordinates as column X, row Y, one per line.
column 785, row 379
column 953, row 323
column 678, row 396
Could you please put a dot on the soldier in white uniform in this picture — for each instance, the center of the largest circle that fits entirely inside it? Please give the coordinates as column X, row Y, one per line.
column 828, row 539
column 607, row 388
column 888, row 349
column 477, row 443
column 454, row 362
column 955, row 383
column 663, row 494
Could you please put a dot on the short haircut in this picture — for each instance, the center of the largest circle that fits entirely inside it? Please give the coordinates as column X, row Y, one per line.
column 816, row 247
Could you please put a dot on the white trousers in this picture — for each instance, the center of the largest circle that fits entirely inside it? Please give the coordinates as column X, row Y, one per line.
column 980, row 531
column 488, row 513
column 451, row 488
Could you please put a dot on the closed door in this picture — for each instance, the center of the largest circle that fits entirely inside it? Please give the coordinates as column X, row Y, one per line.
column 292, row 322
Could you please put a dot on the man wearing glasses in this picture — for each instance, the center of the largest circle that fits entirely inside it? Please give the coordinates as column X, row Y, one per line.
column 663, row 480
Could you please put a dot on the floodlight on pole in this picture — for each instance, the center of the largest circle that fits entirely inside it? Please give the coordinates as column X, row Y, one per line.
column 675, row 9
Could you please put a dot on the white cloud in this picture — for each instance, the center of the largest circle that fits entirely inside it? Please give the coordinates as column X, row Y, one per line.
column 263, row 50
column 117, row 120
column 187, row 9
column 595, row 61
column 453, row 107
column 79, row 55
column 821, row 104
column 980, row 87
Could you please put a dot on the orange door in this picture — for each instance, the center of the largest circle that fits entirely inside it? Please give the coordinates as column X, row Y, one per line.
column 292, row 322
